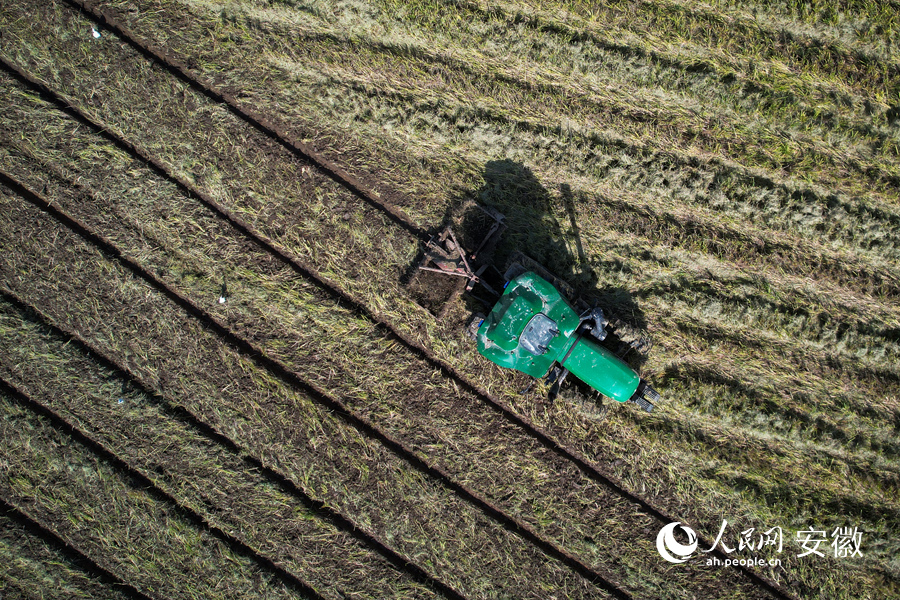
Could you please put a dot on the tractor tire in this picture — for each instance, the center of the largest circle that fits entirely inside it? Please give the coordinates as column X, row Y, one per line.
column 651, row 395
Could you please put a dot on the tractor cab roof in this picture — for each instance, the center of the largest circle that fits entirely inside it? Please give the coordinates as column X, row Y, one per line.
column 529, row 327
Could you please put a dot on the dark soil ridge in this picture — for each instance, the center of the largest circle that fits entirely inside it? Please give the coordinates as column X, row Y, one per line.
column 187, row 191
column 718, row 165
column 344, row 299
column 193, row 421
column 90, row 200
column 309, row 273
column 139, row 479
column 28, row 557
column 525, row 531
column 260, row 122
column 51, row 538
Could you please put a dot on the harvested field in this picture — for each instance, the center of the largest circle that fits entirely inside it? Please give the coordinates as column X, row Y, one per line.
column 215, row 381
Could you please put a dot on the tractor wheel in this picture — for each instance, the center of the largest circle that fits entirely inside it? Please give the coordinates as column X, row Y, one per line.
column 651, row 395
column 646, row 397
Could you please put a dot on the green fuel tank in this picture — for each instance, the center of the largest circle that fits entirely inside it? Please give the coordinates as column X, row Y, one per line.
column 600, row 369
column 532, row 327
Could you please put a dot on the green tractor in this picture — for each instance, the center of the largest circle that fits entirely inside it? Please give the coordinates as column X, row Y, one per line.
column 533, row 327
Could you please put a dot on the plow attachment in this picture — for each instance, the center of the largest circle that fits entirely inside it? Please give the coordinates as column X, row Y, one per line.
column 452, row 264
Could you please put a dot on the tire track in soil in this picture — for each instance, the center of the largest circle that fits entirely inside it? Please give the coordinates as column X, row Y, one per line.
column 273, row 131
column 147, row 485
column 602, row 580
column 195, row 423
column 70, row 552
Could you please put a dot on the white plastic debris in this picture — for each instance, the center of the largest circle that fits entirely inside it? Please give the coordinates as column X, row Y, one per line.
column 94, row 32
column 221, row 299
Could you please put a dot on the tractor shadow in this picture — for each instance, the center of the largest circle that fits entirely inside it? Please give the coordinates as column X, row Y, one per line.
column 544, row 225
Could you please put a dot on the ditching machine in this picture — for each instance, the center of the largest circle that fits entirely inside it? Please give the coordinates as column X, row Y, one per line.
column 536, row 323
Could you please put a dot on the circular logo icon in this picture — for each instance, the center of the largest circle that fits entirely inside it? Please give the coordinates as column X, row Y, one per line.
column 670, row 549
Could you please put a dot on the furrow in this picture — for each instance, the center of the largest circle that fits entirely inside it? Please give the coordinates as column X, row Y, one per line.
column 93, row 201
column 103, row 510
column 359, row 307
column 141, row 480
column 368, row 430
column 714, row 234
column 40, row 564
column 202, row 468
column 255, row 119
